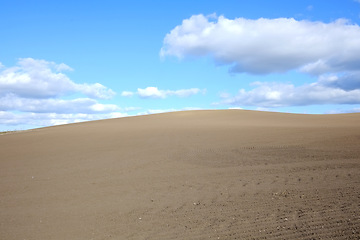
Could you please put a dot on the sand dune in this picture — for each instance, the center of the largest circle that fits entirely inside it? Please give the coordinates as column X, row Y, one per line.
column 224, row 174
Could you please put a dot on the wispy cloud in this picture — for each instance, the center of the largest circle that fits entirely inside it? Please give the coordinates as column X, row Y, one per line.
column 127, row 94
column 154, row 92
column 50, row 119
column 11, row 102
column 336, row 111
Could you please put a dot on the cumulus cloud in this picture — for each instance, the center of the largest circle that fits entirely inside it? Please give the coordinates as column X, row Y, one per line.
column 151, row 92
column 346, row 81
column 328, row 90
column 154, row 92
column 34, row 78
column 328, row 51
column 267, row 45
column 33, row 91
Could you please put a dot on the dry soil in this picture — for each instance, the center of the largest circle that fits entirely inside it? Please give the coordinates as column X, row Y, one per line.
column 222, row 174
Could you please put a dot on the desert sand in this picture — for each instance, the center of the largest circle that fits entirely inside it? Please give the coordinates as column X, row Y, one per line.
column 221, row 174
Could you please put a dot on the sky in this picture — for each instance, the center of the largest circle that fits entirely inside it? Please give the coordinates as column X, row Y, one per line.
column 72, row 61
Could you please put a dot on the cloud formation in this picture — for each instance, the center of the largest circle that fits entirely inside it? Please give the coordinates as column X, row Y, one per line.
column 154, row 92
column 33, row 91
column 330, row 89
column 265, row 46
column 328, row 51
column 11, row 102
column 33, row 78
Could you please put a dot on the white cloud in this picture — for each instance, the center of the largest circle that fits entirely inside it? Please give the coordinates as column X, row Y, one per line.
column 267, row 45
column 31, row 93
column 11, row 102
column 329, row 51
column 346, row 81
column 48, row 119
column 336, row 111
column 95, row 90
column 127, row 94
column 33, row 78
column 186, row 92
column 151, row 92
column 325, row 91
column 154, row 92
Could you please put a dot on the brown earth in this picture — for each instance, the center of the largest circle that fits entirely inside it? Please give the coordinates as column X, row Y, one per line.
column 222, row 174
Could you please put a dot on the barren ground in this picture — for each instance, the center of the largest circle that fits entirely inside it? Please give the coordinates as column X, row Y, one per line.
column 224, row 174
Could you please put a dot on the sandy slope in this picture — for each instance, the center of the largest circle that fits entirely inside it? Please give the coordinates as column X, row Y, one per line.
column 227, row 174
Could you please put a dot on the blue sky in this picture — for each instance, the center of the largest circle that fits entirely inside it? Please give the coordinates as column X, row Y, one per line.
column 71, row 61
